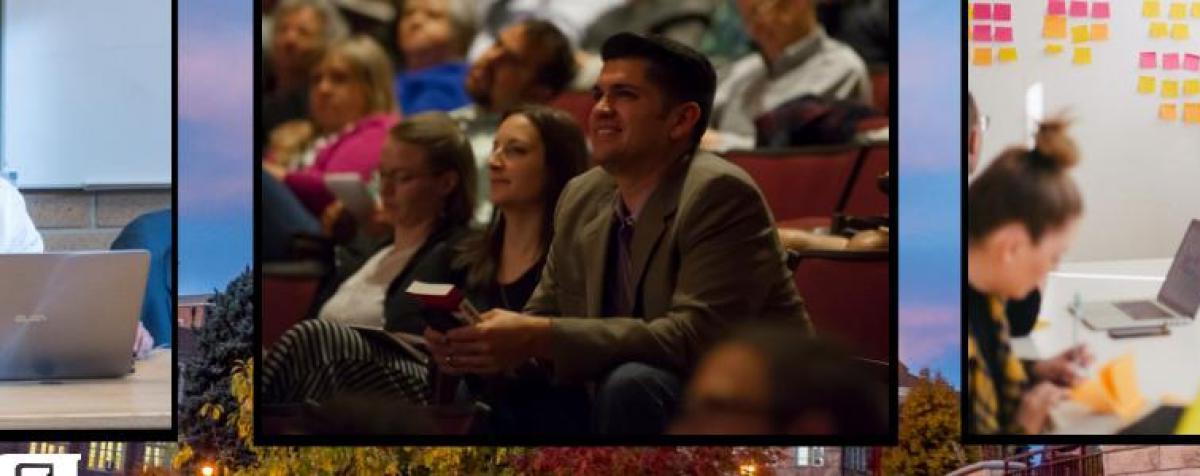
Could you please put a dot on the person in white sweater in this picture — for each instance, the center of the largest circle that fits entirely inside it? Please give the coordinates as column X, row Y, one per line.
column 17, row 233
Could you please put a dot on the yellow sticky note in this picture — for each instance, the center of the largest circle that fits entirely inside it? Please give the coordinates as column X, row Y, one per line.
column 1170, row 88
column 1195, row 9
column 1191, row 113
column 1100, row 32
column 1146, row 84
column 1079, row 34
column 1189, row 423
column 1178, row 11
column 1008, row 54
column 1150, row 9
column 1055, row 26
column 983, row 57
column 1191, row 87
column 970, row 13
column 1158, row 29
column 1168, row 112
column 1083, row 55
column 1053, row 49
column 1179, row 31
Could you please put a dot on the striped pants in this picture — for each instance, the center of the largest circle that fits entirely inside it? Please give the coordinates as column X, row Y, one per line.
column 317, row 359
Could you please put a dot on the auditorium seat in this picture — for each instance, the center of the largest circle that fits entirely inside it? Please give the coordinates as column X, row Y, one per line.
column 577, row 103
column 849, row 298
column 865, row 198
column 799, row 182
column 288, row 289
column 881, row 87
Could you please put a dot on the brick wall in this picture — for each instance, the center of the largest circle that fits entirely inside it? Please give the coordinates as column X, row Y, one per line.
column 81, row 220
column 1152, row 460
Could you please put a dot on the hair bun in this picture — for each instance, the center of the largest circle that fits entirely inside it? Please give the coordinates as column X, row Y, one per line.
column 1053, row 145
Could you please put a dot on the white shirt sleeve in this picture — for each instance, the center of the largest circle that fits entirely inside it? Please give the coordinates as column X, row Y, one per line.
column 17, row 233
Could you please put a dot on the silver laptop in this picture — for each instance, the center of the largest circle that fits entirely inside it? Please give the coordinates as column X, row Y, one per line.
column 1177, row 301
column 70, row 315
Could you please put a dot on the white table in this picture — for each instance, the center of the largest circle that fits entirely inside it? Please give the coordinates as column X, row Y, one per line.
column 141, row 400
column 1166, row 366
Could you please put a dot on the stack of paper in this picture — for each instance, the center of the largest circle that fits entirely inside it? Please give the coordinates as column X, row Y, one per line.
column 1114, row 390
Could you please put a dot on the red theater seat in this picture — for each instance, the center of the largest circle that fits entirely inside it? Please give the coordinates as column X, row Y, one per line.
column 881, row 87
column 865, row 198
column 848, row 295
column 799, row 182
column 577, row 103
column 288, row 290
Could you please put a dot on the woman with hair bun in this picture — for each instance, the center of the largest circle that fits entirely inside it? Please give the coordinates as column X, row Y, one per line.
column 1022, row 214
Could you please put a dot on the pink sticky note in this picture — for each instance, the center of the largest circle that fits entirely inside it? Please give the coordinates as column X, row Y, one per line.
column 983, row 11
column 1191, row 62
column 1079, row 8
column 982, row 33
column 1170, row 60
column 1057, row 7
column 1002, row 12
column 1100, row 10
column 1149, row 60
column 1003, row 34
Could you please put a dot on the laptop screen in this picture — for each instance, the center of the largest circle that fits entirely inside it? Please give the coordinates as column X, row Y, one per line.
column 1181, row 290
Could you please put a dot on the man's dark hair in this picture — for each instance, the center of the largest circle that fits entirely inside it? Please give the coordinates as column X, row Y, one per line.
column 972, row 112
column 558, row 59
column 682, row 73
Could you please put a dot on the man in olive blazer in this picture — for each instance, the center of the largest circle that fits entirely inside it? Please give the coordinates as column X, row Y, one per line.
column 656, row 253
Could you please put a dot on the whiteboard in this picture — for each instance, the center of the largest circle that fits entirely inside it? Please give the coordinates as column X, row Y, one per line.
column 1140, row 176
column 86, row 98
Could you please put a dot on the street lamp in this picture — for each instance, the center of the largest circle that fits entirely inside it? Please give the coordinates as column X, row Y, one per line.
column 207, row 470
column 747, row 470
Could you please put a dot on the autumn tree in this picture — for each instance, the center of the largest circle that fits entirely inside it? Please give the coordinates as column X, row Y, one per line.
column 929, row 431
column 707, row 460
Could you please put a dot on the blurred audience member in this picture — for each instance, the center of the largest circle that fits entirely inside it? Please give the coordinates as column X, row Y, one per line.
column 431, row 38
column 796, row 58
column 684, row 21
column 865, row 25
column 17, row 233
column 531, row 62
column 570, row 17
column 299, row 32
column 776, row 379
column 351, row 108
column 427, row 176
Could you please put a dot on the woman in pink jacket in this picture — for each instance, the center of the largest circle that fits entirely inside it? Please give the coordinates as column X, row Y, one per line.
column 351, row 108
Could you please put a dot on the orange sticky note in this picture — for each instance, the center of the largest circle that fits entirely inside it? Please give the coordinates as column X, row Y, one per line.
column 1053, row 49
column 1191, row 113
column 1150, row 9
column 1178, row 11
column 1168, row 112
column 1079, row 34
column 982, row 57
column 1170, row 89
column 1100, row 32
column 1179, row 31
column 1146, row 84
column 1191, row 87
column 1158, row 29
column 1008, row 54
column 1083, row 55
column 1055, row 26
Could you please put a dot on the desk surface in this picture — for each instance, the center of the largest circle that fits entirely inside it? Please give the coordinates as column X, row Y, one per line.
column 1165, row 365
column 141, row 400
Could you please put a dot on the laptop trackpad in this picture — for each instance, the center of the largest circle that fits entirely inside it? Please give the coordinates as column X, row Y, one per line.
column 1142, row 310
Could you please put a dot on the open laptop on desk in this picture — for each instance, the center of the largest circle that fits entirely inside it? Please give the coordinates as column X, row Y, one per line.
column 70, row 315
column 1177, row 302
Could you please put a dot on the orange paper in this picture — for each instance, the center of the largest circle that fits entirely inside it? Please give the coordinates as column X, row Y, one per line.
column 1114, row 390
column 1099, row 32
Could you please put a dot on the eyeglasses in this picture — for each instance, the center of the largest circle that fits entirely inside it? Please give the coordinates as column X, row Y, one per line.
column 396, row 177
column 984, row 121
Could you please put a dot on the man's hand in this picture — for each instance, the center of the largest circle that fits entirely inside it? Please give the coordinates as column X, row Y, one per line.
column 1036, row 404
column 143, row 343
column 1065, row 369
column 502, row 341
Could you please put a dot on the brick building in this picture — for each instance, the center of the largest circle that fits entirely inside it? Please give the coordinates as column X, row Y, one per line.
column 105, row 458
column 88, row 220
